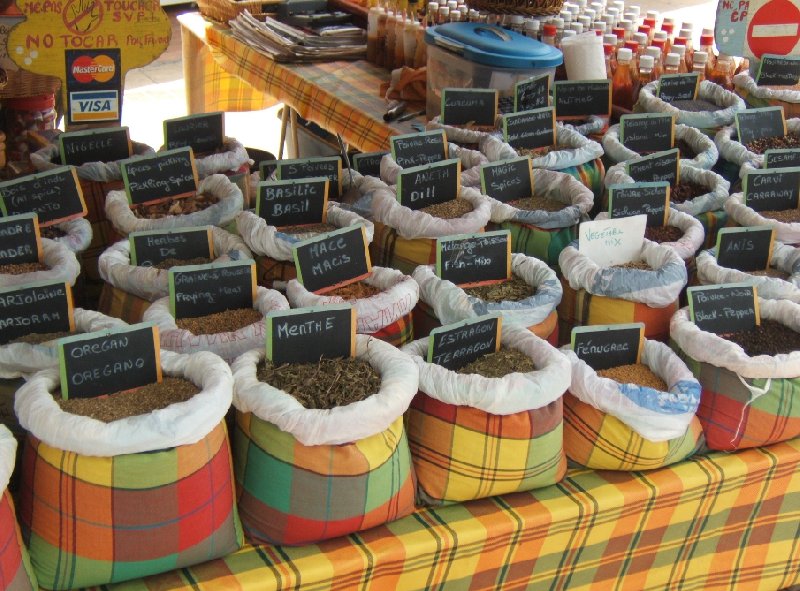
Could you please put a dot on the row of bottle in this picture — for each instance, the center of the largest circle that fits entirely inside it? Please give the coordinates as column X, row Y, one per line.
column 396, row 38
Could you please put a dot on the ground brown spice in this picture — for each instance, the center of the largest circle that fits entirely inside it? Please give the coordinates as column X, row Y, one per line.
column 37, row 338
column 182, row 206
column 131, row 403
column 663, row 233
column 511, row 290
column 644, row 266
column 538, row 204
column 326, row 384
column 169, row 263
column 788, row 216
column 22, row 268
column 769, row 338
column 219, row 322
column 686, row 190
column 635, row 373
column 499, row 364
column 449, row 210
column 354, row 291
column 308, row 229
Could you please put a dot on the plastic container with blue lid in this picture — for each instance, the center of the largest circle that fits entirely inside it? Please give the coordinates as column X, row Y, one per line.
column 477, row 55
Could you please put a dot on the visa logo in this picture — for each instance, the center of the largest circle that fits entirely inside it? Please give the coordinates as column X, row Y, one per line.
column 93, row 106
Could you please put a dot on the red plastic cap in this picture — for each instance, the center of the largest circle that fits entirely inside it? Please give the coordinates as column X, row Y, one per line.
column 706, row 39
column 660, row 43
column 549, row 30
column 608, row 49
column 31, row 103
column 680, row 41
column 619, row 32
column 668, row 28
column 644, row 29
column 650, row 22
column 632, row 45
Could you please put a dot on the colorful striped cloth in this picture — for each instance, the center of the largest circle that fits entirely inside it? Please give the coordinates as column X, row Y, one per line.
column 97, row 520
column 389, row 249
column 590, row 174
column 269, row 270
column 721, row 522
column 730, row 421
column 462, row 453
column 398, row 333
column 544, row 244
column 713, row 222
column 290, row 493
column 16, row 573
column 601, row 441
column 121, row 304
column 580, row 308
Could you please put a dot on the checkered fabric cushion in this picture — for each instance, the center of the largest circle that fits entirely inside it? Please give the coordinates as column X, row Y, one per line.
column 15, row 569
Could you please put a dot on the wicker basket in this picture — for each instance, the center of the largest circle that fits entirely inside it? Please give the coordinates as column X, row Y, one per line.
column 22, row 83
column 224, row 10
column 524, row 7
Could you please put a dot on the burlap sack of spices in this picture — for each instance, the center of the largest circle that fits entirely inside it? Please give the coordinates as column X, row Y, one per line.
column 742, row 215
column 746, row 401
column 61, row 263
column 757, row 96
column 703, row 146
column 76, row 234
column 147, row 493
column 609, row 425
column 455, row 418
column 353, row 459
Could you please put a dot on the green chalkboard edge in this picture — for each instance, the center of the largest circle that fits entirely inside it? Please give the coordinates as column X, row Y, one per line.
column 654, row 156
column 772, row 55
column 776, row 152
column 646, row 184
column 68, row 291
column 326, row 236
column 463, row 323
column 504, row 163
column 134, row 257
column 90, row 132
column 316, row 179
column 209, row 266
column 746, row 184
column 34, row 217
column 604, row 327
column 759, row 110
column 220, row 114
column 126, row 183
column 423, row 167
column 282, row 163
column 363, row 155
column 62, row 368
column 59, row 170
column 476, row 91
column 726, row 231
column 630, row 116
column 394, row 138
column 691, row 290
column 562, row 83
column 508, row 116
column 455, row 237
column 269, row 318
column 527, row 81
column 672, row 76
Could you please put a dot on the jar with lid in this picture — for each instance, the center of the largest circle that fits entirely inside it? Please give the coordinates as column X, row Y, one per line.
column 23, row 115
column 622, row 82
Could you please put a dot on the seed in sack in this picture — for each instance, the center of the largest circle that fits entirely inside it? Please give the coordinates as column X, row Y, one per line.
column 642, row 265
column 763, row 144
column 308, row 229
column 52, row 232
column 323, row 385
column 499, row 364
column 180, row 206
column 511, row 290
column 695, row 105
column 686, row 190
column 538, row 204
column 455, row 208
column 663, row 233
column 355, row 291
column 787, row 216
column 769, row 338
column 220, row 322
column 22, row 268
column 635, row 373
column 536, row 152
column 685, row 150
column 169, row 263
column 130, row 403
column 37, row 338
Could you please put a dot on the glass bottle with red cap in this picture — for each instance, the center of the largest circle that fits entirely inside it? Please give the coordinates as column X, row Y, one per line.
column 634, row 47
column 622, row 82
column 707, row 45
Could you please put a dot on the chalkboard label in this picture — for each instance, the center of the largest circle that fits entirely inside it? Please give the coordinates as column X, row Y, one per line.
column 107, row 361
column 422, row 186
column 455, row 345
column 533, row 93
column 778, row 70
column 650, row 199
column 678, row 87
column 647, row 132
column 772, row 189
column 368, row 163
column 94, row 145
column 148, row 249
column 293, row 203
column 332, row 260
column 745, row 249
column 267, row 168
column 306, row 335
column 203, row 133
column 416, row 149
column 530, row 129
column 508, row 180
column 724, row 308
column 754, row 124
column 164, row 175
column 20, row 241
column 608, row 345
column 37, row 308
column 329, row 167
column 199, row 290
column 469, row 105
column 55, row 195
column 782, row 158
column 662, row 166
column 582, row 98
column 474, row 259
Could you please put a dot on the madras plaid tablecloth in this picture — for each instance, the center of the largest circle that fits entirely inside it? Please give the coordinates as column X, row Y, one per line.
column 719, row 522
column 342, row 97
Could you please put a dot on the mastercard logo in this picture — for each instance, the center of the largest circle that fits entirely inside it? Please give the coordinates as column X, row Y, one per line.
column 100, row 68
